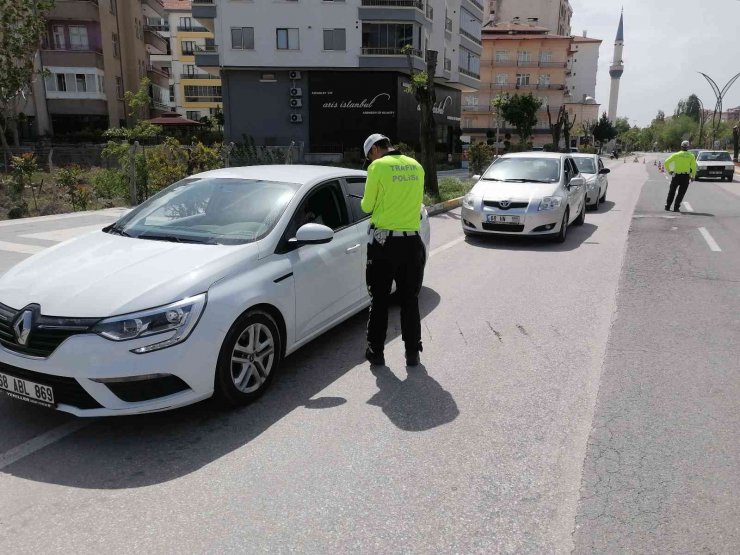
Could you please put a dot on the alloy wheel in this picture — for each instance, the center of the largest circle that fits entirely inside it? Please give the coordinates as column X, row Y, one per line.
column 252, row 358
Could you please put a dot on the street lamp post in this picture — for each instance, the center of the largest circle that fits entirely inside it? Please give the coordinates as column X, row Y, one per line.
column 720, row 95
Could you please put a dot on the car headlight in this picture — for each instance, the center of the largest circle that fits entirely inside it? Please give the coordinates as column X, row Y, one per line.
column 550, row 203
column 730, row 167
column 469, row 201
column 590, row 184
column 179, row 319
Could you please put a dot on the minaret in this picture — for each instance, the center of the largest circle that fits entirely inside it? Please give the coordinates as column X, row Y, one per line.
column 616, row 69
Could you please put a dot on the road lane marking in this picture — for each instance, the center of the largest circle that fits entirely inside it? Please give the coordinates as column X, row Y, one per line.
column 688, row 206
column 59, row 235
column 447, row 246
column 713, row 246
column 20, row 247
column 114, row 213
column 39, row 442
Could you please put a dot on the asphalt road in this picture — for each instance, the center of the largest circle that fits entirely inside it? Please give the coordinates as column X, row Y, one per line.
column 552, row 376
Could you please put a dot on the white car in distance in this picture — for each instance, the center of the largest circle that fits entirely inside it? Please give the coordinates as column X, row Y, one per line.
column 595, row 173
column 201, row 290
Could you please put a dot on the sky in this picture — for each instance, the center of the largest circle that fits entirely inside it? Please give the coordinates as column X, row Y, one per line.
column 665, row 43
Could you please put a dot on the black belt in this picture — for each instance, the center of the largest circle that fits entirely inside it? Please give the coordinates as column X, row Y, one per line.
column 402, row 233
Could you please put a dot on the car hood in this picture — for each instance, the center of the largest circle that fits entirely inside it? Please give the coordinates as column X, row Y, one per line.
column 100, row 274
column 497, row 190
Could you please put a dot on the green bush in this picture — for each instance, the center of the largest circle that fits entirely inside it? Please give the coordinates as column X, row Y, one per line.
column 480, row 156
column 587, row 149
column 109, row 184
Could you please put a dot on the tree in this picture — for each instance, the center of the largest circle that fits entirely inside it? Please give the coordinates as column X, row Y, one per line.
column 693, row 108
column 680, row 108
column 22, row 25
column 422, row 87
column 659, row 118
column 138, row 105
column 520, row 110
column 567, row 125
column 604, row 131
column 555, row 127
column 622, row 125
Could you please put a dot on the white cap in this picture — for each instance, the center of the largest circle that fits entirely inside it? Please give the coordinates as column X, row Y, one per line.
column 685, row 144
column 371, row 140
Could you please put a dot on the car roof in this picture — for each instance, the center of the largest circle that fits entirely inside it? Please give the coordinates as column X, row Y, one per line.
column 286, row 173
column 536, row 154
column 584, row 155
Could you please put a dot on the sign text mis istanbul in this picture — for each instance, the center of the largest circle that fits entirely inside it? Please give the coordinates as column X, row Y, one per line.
column 363, row 104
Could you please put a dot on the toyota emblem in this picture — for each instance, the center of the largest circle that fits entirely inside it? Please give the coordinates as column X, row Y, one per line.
column 504, row 203
column 22, row 327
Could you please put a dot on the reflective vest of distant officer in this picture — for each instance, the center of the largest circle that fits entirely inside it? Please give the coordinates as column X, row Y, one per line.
column 682, row 165
column 394, row 193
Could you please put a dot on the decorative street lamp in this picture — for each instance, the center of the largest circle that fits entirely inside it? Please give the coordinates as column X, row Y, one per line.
column 720, row 95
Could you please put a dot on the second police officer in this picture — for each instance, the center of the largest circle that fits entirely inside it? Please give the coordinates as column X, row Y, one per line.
column 394, row 193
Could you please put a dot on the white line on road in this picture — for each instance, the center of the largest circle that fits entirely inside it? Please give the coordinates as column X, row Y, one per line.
column 688, row 206
column 39, row 442
column 60, row 235
column 19, row 247
column 447, row 246
column 713, row 246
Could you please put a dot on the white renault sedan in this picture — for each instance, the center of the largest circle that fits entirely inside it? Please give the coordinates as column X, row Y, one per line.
column 527, row 193
column 199, row 291
column 593, row 171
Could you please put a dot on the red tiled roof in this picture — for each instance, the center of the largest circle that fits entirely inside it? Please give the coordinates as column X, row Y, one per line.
column 522, row 36
column 586, row 39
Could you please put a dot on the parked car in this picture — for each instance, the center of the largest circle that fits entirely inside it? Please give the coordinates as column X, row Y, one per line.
column 593, row 171
column 201, row 290
column 529, row 193
column 715, row 164
column 695, row 151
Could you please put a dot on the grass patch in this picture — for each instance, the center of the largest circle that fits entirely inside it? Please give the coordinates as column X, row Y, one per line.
column 449, row 188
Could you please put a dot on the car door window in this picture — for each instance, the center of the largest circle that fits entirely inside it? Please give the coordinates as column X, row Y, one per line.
column 356, row 188
column 601, row 165
column 567, row 171
column 324, row 205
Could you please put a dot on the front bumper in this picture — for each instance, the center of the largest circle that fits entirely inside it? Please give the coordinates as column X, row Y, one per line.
column 71, row 370
column 534, row 222
column 715, row 174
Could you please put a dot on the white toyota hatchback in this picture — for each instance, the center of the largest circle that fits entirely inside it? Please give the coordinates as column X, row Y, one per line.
column 528, row 193
column 199, row 291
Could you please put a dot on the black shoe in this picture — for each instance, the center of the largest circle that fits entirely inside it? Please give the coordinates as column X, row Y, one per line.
column 412, row 359
column 667, row 207
column 676, row 210
column 375, row 358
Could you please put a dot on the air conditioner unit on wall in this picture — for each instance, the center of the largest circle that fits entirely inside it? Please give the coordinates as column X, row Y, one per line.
column 296, row 118
column 296, row 92
column 296, row 103
column 294, row 74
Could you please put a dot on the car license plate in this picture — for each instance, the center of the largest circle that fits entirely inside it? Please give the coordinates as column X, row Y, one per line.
column 715, row 172
column 495, row 219
column 26, row 391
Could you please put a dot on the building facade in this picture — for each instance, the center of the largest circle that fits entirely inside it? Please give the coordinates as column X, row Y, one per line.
column 583, row 66
column 522, row 59
column 94, row 51
column 554, row 15
column 327, row 74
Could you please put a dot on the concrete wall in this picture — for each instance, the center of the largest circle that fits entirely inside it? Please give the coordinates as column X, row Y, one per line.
column 584, row 66
column 553, row 14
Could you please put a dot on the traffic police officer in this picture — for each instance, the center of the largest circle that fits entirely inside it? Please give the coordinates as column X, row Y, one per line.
column 394, row 193
column 682, row 165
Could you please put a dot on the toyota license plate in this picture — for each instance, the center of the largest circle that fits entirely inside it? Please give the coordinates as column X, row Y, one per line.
column 25, row 390
column 495, row 219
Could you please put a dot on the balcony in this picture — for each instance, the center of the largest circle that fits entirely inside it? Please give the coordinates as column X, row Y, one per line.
column 72, row 58
column 527, row 63
column 418, row 4
column 477, row 4
column 206, row 55
column 553, row 64
column 77, row 10
column 470, row 36
column 411, row 11
column 204, row 11
column 156, row 5
column 469, row 73
column 390, row 58
column 184, row 76
column 477, row 109
column 191, row 29
column 158, row 76
column 155, row 43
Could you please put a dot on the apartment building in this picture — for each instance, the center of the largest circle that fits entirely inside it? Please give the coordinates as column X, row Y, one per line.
column 583, row 66
column 521, row 59
column 554, row 15
column 329, row 73
column 193, row 92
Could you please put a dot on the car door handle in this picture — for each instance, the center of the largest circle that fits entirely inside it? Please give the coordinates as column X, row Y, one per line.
column 353, row 249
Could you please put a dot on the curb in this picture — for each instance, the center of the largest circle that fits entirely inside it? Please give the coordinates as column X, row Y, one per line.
column 445, row 206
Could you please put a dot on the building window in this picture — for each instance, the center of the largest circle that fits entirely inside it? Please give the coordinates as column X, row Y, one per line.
column 192, row 114
column 469, row 63
column 78, row 37
column 188, row 47
column 287, row 39
column 502, row 56
column 202, row 93
column 388, row 38
column 242, row 38
column 172, row 93
column 113, row 7
column 189, row 69
column 101, row 86
column 544, row 80
column 523, row 56
column 501, row 78
column 80, row 82
column 61, row 82
column 470, row 25
column 522, row 79
column 119, row 88
column 335, row 39
column 186, row 24
column 116, row 46
column 546, row 57
column 58, row 36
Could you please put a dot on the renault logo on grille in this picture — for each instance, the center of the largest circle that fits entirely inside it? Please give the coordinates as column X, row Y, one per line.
column 22, row 327
column 504, row 203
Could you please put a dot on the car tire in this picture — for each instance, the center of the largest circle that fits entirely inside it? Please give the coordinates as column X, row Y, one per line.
column 595, row 205
column 239, row 383
column 581, row 219
column 561, row 235
column 603, row 197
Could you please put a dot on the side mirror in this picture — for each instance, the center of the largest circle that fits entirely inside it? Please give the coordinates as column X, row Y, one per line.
column 476, row 177
column 313, row 234
column 577, row 181
column 604, row 171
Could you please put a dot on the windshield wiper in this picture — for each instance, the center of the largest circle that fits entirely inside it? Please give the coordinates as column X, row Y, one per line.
column 170, row 238
column 526, row 181
column 490, row 179
column 113, row 228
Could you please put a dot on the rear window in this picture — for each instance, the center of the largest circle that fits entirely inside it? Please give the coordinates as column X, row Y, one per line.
column 714, row 157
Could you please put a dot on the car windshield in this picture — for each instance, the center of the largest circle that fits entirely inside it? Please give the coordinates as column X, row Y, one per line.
column 209, row 210
column 585, row 165
column 521, row 169
column 714, row 157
